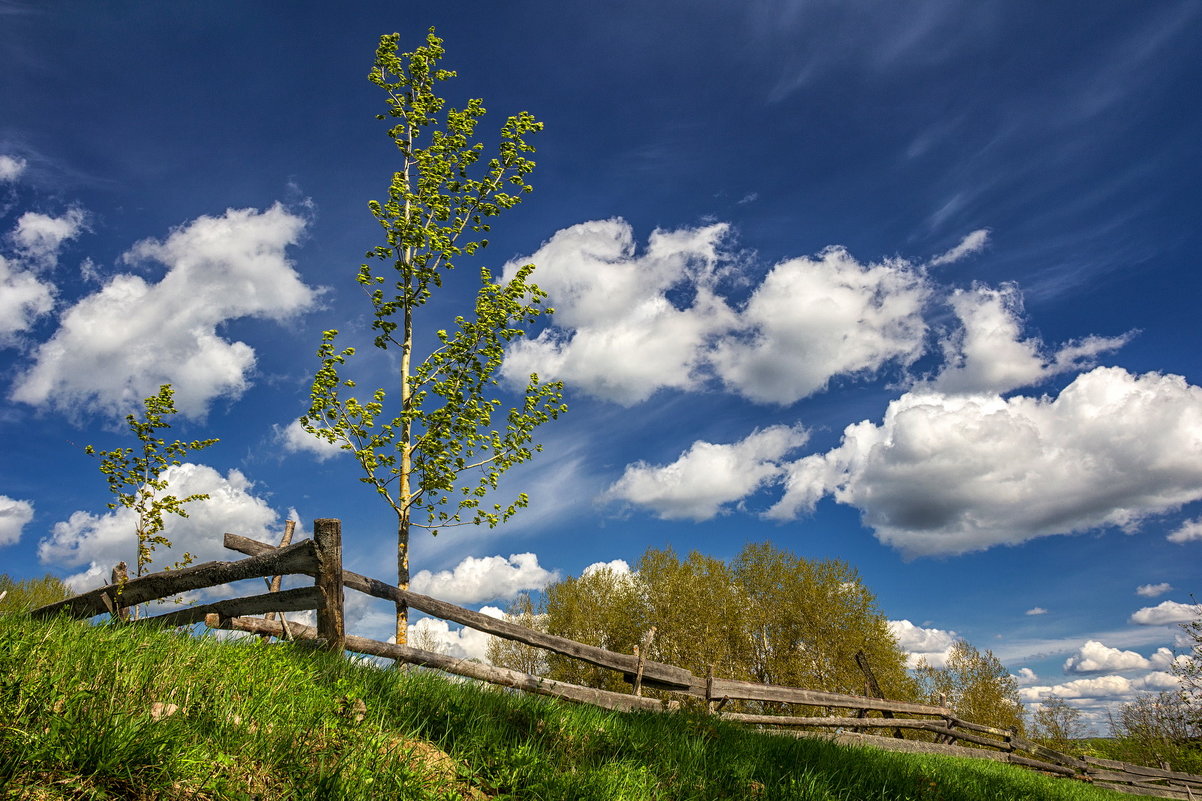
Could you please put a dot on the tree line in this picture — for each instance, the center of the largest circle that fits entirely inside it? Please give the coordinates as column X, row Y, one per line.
column 767, row 616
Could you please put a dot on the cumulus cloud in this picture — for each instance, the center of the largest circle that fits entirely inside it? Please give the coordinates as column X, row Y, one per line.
column 1037, row 610
column 11, row 167
column 973, row 243
column 1152, row 590
column 14, row 515
column 923, row 644
column 814, row 319
column 948, row 474
column 988, row 354
column 628, row 323
column 616, row 566
column 1114, row 688
column 1188, row 531
column 293, row 438
column 432, row 634
column 1094, row 657
column 38, row 237
column 119, row 344
column 23, row 299
column 1025, row 676
column 618, row 333
column 1166, row 613
column 707, row 476
column 98, row 542
column 489, row 578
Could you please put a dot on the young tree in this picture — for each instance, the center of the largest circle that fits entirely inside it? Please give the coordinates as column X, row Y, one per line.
column 135, row 475
column 978, row 688
column 441, row 448
column 1057, row 723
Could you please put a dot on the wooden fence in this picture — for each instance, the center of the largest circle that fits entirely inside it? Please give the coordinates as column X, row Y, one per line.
column 321, row 558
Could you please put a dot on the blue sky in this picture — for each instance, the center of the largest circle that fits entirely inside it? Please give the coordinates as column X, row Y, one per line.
column 910, row 287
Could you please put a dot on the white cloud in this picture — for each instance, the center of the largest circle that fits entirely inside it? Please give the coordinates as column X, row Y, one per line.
column 973, row 243
column 295, row 439
column 14, row 515
column 1165, row 613
column 1188, row 531
column 489, row 578
column 618, row 567
column 629, row 323
column 23, row 299
column 707, row 476
column 1026, row 676
column 1094, row 657
column 1114, row 688
column 987, row 353
column 11, row 167
column 1152, row 590
column 100, row 541
column 814, row 319
column 39, row 236
column 951, row 474
column 923, row 644
column 1038, row 610
column 461, row 643
column 619, row 336
column 118, row 345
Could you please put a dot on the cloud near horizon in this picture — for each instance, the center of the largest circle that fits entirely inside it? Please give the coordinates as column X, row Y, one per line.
column 489, row 578
column 98, row 542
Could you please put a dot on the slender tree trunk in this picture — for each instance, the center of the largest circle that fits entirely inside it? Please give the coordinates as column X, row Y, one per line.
column 404, row 491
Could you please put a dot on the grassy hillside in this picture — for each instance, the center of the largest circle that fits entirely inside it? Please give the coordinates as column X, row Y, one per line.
column 97, row 712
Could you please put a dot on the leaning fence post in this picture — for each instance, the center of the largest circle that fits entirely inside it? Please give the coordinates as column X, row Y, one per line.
column 327, row 535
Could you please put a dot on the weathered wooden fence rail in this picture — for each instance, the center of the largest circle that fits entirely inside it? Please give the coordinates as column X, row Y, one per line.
column 321, row 559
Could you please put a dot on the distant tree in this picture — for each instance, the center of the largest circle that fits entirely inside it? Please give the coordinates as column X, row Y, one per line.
column 605, row 608
column 515, row 655
column 440, row 449
column 808, row 618
column 977, row 687
column 1157, row 729
column 135, row 475
column 766, row 616
column 1188, row 667
column 27, row 594
column 1057, row 723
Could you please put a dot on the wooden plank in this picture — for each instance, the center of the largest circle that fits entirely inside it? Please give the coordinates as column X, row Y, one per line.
column 1157, row 792
column 327, row 534
column 1143, row 770
column 655, row 674
column 461, row 667
column 286, row 601
column 299, row 558
column 1047, row 754
column 752, row 691
column 851, row 723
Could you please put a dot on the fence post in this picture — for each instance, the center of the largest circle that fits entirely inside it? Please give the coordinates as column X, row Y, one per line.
column 327, row 535
column 119, row 576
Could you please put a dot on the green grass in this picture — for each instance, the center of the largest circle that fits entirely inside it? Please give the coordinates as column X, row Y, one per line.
column 258, row 721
